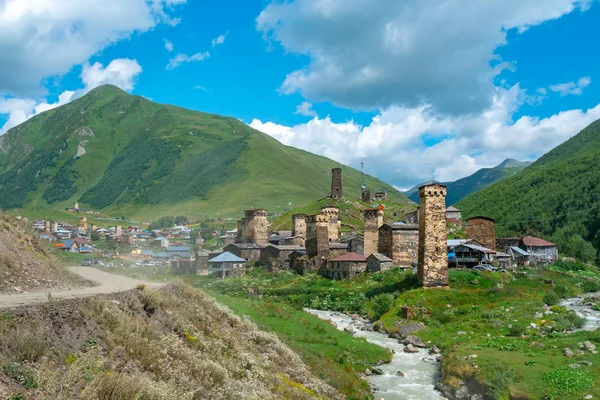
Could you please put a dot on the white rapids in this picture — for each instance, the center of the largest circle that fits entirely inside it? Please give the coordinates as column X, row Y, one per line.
column 581, row 306
column 419, row 377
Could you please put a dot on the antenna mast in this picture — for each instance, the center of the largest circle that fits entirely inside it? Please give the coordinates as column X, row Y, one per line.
column 362, row 174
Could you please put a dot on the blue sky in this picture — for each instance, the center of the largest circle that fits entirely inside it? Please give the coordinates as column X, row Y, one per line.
column 417, row 90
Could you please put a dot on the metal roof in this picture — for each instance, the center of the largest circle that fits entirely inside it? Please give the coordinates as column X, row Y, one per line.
column 452, row 209
column 226, row 257
column 178, row 248
column 350, row 257
column 478, row 248
column 380, row 257
column 520, row 251
column 536, row 242
column 456, row 242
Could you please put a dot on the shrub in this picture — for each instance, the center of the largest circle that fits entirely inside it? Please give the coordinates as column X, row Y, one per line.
column 380, row 305
column 20, row 373
column 563, row 381
column 551, row 299
column 517, row 329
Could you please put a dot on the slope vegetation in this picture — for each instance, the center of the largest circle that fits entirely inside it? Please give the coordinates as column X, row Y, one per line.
column 463, row 187
column 123, row 154
column 173, row 343
column 24, row 264
column 557, row 196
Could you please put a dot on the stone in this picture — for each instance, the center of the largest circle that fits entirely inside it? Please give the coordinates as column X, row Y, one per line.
column 589, row 345
column 406, row 328
column 588, row 363
column 587, row 397
column 568, row 352
column 533, row 325
column 574, row 366
column 410, row 349
column 434, row 350
column 377, row 371
column 400, row 373
column 368, row 372
column 460, row 333
column 350, row 330
column 415, row 341
column 538, row 315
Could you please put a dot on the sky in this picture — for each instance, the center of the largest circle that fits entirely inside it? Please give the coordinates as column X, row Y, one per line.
column 415, row 89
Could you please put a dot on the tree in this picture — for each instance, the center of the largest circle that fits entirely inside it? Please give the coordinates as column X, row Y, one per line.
column 95, row 236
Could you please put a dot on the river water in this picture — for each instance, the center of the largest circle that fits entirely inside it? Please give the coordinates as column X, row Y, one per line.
column 419, row 376
column 578, row 304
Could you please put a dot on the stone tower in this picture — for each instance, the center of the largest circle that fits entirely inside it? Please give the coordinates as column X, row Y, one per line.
column 47, row 226
column 336, row 184
column 366, row 195
column 94, row 227
column 373, row 221
column 433, row 257
column 54, row 227
column 317, row 236
column 333, row 216
column 255, row 226
column 84, row 224
column 299, row 230
column 76, row 206
column 482, row 230
column 118, row 231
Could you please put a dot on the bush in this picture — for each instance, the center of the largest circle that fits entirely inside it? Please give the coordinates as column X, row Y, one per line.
column 551, row 299
column 20, row 373
column 379, row 305
column 517, row 329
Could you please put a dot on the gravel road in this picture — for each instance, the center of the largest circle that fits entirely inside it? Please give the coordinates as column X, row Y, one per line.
column 104, row 283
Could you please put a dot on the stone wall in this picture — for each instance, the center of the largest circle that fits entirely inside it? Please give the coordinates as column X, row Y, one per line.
column 482, row 230
column 373, row 221
column 433, row 256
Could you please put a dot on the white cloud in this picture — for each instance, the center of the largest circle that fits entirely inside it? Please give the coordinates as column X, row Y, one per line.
column 393, row 149
column 42, row 38
column 200, row 87
column 168, row 45
column 575, row 88
column 374, row 54
column 120, row 72
column 219, row 39
column 184, row 58
column 305, row 108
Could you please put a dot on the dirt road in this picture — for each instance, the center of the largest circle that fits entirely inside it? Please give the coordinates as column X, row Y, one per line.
column 104, row 283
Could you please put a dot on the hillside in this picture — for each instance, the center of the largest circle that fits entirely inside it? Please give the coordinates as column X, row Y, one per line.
column 173, row 343
column 127, row 156
column 350, row 212
column 463, row 187
column 558, row 196
column 24, row 264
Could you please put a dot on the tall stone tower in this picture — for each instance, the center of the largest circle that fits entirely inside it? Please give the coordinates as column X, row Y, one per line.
column 118, row 231
column 54, row 227
column 333, row 216
column 76, row 206
column 47, row 227
column 84, row 224
column 336, row 184
column 482, row 229
column 299, row 229
column 433, row 257
column 317, row 236
column 255, row 229
column 373, row 221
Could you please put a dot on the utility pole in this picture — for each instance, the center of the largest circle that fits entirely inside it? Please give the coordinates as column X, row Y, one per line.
column 362, row 175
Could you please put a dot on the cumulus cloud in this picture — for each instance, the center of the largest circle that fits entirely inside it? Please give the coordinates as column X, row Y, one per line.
column 120, row 72
column 168, row 45
column 375, row 54
column 184, row 58
column 575, row 88
column 393, row 147
column 219, row 39
column 45, row 38
column 305, row 108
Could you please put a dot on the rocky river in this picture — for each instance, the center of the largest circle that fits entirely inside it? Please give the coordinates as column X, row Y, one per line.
column 409, row 376
column 582, row 306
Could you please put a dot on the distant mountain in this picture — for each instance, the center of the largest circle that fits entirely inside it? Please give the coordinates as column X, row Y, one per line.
column 461, row 188
column 125, row 155
column 558, row 196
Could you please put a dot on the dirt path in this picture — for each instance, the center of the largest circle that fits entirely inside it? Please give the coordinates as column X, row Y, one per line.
column 105, row 283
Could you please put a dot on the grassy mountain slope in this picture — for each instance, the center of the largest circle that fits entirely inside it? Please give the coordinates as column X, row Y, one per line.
column 125, row 155
column 24, row 264
column 557, row 196
column 463, row 187
column 173, row 343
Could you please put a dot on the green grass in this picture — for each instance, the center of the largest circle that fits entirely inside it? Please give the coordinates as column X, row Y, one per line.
column 331, row 355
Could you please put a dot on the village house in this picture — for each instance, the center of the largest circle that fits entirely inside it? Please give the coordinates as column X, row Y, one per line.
column 453, row 215
column 378, row 262
column 277, row 257
column 248, row 251
column 68, row 245
column 539, row 250
column 281, row 238
column 469, row 255
column 400, row 242
column 412, row 217
column 355, row 243
column 226, row 265
column 161, row 242
column 518, row 255
column 346, row 266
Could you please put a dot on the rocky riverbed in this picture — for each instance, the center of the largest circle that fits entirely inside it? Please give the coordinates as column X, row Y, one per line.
column 413, row 371
column 582, row 305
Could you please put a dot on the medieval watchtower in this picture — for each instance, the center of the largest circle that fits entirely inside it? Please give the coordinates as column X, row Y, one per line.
column 47, row 226
column 254, row 229
column 299, row 229
column 482, row 230
column 317, row 236
column 333, row 216
column 433, row 256
column 83, row 223
column 373, row 221
column 336, row 184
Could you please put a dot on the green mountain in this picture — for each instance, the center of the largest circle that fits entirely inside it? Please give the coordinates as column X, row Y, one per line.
column 124, row 155
column 558, row 197
column 463, row 187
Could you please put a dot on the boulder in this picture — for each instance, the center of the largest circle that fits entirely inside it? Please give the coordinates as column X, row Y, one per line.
column 415, row 341
column 400, row 373
column 377, row 371
column 406, row 327
column 589, row 346
column 410, row 349
column 434, row 350
column 350, row 330
column 568, row 352
column 574, row 366
column 588, row 363
column 368, row 372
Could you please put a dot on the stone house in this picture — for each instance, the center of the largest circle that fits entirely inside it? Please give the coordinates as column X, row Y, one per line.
column 453, row 215
column 355, row 242
column 227, row 265
column 539, row 250
column 378, row 262
column 412, row 217
column 248, row 251
column 277, row 256
column 202, row 262
column 400, row 242
column 346, row 266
